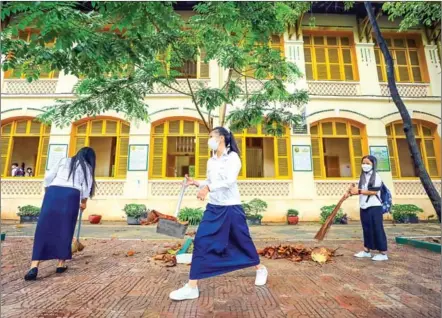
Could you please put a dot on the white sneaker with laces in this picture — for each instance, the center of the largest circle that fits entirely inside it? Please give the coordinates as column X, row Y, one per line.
column 261, row 276
column 363, row 254
column 380, row 257
column 185, row 293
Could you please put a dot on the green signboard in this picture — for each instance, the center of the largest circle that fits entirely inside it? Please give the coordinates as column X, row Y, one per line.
column 381, row 154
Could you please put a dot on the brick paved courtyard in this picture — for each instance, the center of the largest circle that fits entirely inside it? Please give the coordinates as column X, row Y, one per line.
column 103, row 282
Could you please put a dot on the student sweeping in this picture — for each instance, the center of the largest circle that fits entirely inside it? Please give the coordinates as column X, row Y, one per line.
column 222, row 243
column 371, row 210
column 68, row 185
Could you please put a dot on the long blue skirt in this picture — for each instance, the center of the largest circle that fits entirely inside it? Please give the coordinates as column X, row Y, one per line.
column 222, row 243
column 373, row 228
column 56, row 224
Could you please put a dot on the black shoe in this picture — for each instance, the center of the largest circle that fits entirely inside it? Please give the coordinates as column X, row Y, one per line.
column 32, row 274
column 61, row 270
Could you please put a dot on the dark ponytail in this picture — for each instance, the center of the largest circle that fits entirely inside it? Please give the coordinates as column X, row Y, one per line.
column 231, row 144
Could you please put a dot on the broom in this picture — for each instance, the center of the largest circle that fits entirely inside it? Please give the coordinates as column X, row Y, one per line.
column 329, row 221
column 76, row 245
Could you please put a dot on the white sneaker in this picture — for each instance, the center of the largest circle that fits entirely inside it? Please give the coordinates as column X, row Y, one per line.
column 380, row 257
column 362, row 254
column 185, row 293
column 261, row 276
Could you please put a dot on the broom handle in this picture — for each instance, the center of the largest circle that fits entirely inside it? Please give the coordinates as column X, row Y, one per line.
column 79, row 224
column 180, row 199
column 328, row 222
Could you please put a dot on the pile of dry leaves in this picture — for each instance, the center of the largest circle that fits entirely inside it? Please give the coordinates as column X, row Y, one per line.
column 298, row 253
column 167, row 254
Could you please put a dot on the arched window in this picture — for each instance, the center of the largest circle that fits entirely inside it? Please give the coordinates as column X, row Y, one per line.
column 337, row 148
column 427, row 139
column 110, row 140
column 24, row 141
column 178, row 147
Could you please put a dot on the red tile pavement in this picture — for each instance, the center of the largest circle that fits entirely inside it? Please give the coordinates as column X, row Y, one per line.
column 103, row 282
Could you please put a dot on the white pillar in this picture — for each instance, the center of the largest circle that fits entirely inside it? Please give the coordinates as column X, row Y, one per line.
column 303, row 181
column 368, row 75
column 65, row 83
column 434, row 69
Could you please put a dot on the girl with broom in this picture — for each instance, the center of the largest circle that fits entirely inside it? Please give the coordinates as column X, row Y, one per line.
column 371, row 210
column 68, row 185
column 222, row 243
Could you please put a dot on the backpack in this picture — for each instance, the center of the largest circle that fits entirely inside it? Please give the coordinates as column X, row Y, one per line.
column 20, row 172
column 386, row 198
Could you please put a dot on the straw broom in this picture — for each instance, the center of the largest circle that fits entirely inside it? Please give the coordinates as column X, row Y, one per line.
column 76, row 245
column 329, row 221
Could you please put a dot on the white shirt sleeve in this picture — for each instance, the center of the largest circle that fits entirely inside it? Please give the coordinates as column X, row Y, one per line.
column 52, row 173
column 234, row 167
column 86, row 187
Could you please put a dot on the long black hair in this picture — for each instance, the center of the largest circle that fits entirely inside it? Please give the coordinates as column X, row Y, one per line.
column 372, row 180
column 229, row 140
column 85, row 158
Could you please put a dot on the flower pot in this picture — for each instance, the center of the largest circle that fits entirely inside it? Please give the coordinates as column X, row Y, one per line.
column 413, row 219
column 3, row 236
column 94, row 219
column 28, row 219
column 133, row 221
column 251, row 222
column 293, row 220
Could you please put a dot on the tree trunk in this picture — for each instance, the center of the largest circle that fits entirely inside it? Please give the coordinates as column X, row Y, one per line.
column 408, row 125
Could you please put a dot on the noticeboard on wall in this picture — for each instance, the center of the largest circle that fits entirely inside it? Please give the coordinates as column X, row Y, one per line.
column 302, row 158
column 55, row 154
column 383, row 157
column 138, row 157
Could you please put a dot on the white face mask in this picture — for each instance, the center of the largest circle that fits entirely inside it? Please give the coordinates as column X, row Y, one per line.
column 213, row 144
column 366, row 167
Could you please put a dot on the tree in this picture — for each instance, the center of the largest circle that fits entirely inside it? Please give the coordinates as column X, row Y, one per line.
column 123, row 50
column 407, row 122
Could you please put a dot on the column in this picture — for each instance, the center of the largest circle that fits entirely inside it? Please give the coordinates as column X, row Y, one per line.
column 368, row 75
column 434, row 69
column 303, row 181
column 65, row 83
column 294, row 53
column 136, row 186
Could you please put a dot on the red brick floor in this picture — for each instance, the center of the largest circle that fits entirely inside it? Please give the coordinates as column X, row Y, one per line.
column 103, row 282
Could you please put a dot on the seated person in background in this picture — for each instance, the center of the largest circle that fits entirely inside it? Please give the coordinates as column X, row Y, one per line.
column 29, row 172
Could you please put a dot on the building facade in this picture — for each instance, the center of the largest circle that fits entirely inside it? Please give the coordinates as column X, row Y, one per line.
column 350, row 114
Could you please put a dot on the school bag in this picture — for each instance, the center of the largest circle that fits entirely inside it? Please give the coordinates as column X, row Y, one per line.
column 19, row 172
column 386, row 198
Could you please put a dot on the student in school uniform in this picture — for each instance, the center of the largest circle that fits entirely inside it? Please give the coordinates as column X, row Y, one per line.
column 371, row 210
column 68, row 185
column 222, row 243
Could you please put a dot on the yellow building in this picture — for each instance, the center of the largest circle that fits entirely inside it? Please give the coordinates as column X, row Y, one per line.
column 349, row 114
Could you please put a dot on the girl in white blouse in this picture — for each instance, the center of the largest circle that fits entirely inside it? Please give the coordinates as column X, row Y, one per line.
column 222, row 243
column 68, row 185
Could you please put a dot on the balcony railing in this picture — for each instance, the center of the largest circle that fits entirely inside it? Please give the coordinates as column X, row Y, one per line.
column 22, row 86
column 333, row 88
column 408, row 89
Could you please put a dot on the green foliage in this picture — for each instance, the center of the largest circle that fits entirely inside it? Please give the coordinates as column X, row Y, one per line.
column 191, row 215
column 135, row 210
column 327, row 210
column 121, row 65
column 292, row 212
column 401, row 212
column 28, row 210
column 413, row 13
column 254, row 208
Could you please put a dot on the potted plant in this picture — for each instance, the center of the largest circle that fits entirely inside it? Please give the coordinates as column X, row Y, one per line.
column 340, row 217
column 28, row 213
column 292, row 216
column 254, row 210
column 405, row 213
column 191, row 215
column 134, row 213
column 94, row 218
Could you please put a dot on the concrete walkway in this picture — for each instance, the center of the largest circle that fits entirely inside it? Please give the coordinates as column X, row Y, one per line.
column 300, row 232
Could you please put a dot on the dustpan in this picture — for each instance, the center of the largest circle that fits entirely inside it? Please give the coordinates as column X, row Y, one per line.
column 174, row 228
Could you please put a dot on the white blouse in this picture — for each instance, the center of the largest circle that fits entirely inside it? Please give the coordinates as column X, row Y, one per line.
column 374, row 200
column 59, row 176
column 222, row 175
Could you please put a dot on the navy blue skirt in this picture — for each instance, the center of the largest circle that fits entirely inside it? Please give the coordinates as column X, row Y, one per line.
column 222, row 243
column 56, row 224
